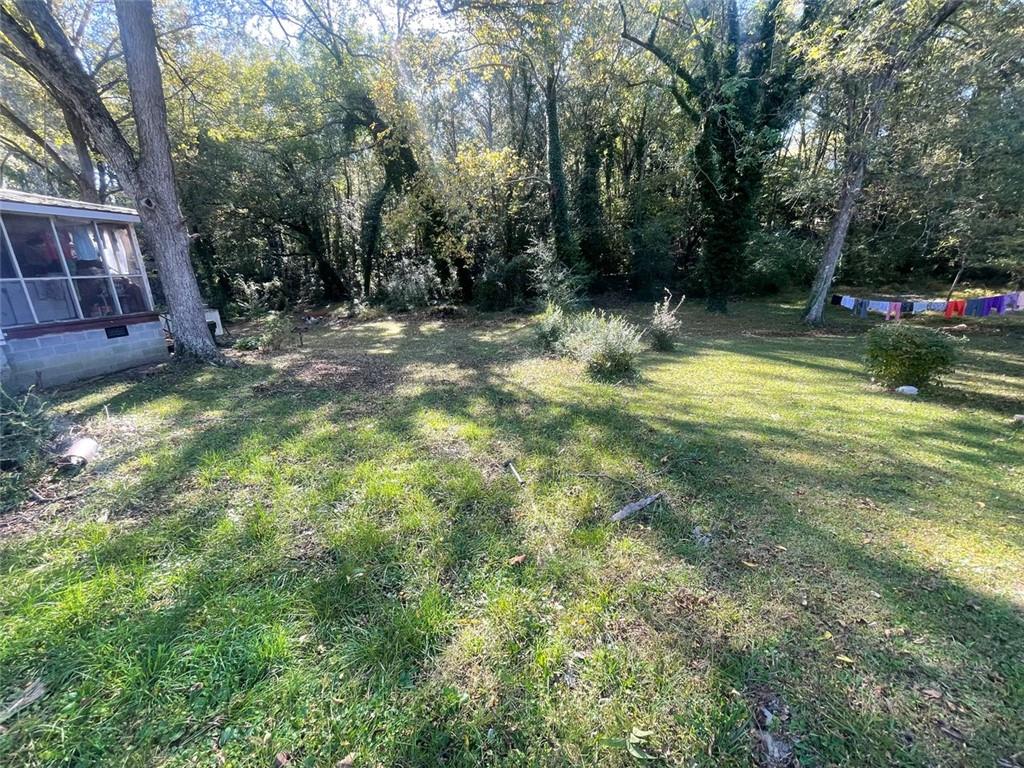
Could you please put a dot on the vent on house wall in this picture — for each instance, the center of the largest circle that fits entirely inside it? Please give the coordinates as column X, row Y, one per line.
column 117, row 331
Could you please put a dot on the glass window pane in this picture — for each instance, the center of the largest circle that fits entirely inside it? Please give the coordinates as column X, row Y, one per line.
column 52, row 300
column 14, row 309
column 94, row 297
column 78, row 242
column 34, row 245
column 6, row 263
column 131, row 293
column 118, row 250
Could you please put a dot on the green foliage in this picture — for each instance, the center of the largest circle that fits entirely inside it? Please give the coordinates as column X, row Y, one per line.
column 412, row 285
column 551, row 327
column 900, row 354
column 779, row 261
column 607, row 344
column 254, row 299
column 25, row 427
column 505, row 285
column 274, row 332
column 665, row 323
column 554, row 281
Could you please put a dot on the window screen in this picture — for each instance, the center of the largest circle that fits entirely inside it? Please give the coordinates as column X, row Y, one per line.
column 81, row 248
column 70, row 269
column 34, row 245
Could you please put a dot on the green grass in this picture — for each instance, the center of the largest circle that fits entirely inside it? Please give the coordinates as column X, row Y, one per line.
column 309, row 554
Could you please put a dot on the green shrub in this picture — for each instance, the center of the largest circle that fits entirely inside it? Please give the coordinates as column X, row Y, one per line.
column 253, row 299
column 551, row 326
column 665, row 323
column 608, row 345
column 555, row 282
column 25, row 428
column 504, row 284
column 274, row 331
column 899, row 354
column 778, row 261
column 412, row 285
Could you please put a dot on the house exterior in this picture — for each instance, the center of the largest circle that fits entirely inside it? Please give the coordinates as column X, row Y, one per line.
column 74, row 298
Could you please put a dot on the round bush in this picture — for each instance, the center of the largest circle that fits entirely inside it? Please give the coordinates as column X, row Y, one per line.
column 899, row 354
column 606, row 344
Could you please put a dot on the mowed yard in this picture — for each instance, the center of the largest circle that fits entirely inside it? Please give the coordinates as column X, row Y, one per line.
column 321, row 554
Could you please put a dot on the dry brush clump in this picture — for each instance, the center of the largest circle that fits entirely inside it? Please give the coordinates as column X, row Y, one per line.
column 607, row 344
column 665, row 323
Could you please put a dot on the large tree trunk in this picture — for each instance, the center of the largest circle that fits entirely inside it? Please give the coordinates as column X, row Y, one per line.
column 44, row 51
column 155, row 193
column 852, row 184
column 593, row 245
column 369, row 234
column 565, row 248
column 86, row 176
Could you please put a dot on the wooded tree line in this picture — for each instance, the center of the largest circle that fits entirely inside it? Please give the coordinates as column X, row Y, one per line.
column 489, row 150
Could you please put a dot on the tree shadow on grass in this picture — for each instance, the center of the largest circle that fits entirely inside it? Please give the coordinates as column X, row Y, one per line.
column 199, row 613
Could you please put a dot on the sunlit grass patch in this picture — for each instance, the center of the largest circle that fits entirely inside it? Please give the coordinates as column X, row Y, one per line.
column 257, row 566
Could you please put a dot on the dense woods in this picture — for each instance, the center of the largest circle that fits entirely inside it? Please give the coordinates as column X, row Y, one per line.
column 412, row 152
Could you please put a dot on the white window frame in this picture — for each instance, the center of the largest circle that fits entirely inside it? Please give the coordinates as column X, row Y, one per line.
column 67, row 278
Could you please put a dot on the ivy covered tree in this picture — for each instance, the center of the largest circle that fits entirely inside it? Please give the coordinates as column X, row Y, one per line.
column 739, row 91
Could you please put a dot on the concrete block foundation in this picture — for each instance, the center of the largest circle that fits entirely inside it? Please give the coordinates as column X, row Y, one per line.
column 59, row 358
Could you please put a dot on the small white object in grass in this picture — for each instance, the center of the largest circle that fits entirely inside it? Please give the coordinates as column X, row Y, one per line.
column 81, row 452
column 1018, row 419
column 634, row 507
column 906, row 390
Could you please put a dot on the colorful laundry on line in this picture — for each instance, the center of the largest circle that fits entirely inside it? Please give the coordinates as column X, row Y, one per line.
column 894, row 310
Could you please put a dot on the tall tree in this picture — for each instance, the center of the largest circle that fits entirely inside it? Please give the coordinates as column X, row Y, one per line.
column 543, row 35
column 866, row 107
column 740, row 105
column 34, row 40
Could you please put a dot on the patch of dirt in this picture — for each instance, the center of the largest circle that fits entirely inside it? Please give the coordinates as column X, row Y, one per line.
column 50, row 499
column 365, row 374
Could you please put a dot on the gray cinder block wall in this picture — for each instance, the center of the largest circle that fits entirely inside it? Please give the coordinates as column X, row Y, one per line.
column 59, row 358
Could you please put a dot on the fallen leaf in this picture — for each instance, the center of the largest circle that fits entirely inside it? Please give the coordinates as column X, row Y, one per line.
column 281, row 759
column 517, row 560
column 749, row 564
column 845, row 659
column 346, row 762
column 931, row 693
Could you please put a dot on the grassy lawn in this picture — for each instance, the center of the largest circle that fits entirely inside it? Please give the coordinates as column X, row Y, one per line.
column 311, row 553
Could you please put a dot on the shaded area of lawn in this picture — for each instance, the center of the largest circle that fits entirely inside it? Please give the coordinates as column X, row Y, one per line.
column 311, row 554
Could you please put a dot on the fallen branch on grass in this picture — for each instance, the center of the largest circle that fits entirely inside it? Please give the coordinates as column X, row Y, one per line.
column 35, row 691
column 634, row 507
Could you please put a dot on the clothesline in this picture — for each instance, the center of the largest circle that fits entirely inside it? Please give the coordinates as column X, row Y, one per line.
column 893, row 310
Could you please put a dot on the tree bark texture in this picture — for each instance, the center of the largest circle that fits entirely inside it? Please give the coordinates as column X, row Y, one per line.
column 852, row 184
column 155, row 193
